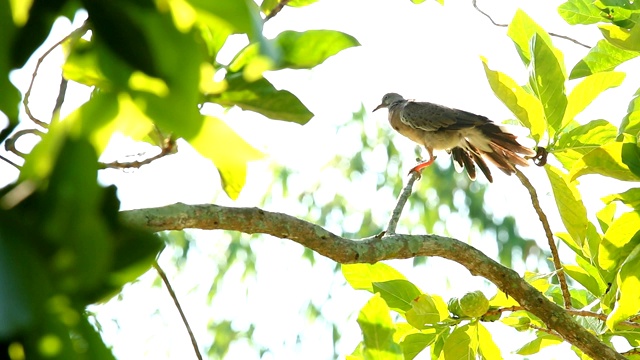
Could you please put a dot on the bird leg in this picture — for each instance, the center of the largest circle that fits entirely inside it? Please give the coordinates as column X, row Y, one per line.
column 423, row 164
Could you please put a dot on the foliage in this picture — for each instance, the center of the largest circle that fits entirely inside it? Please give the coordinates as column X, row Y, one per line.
column 154, row 64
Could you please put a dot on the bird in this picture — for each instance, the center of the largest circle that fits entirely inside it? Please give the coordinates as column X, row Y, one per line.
column 468, row 137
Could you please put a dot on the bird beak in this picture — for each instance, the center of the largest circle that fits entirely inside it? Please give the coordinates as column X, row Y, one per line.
column 379, row 107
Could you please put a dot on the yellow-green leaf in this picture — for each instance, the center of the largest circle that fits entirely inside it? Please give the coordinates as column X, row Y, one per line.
column 486, row 346
column 631, row 122
column 628, row 39
column 229, row 152
column 629, row 289
column 521, row 29
column 602, row 57
column 620, row 239
column 427, row 309
column 542, row 340
column 574, row 144
column 630, row 198
column 569, row 202
column 587, row 90
column 462, row 343
column 362, row 276
column 616, row 159
column 377, row 330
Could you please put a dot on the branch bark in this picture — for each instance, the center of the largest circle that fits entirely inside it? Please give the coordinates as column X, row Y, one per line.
column 371, row 250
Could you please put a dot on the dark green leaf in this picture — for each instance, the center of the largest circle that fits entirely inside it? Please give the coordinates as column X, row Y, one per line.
column 397, row 293
column 631, row 122
column 621, row 37
column 262, row 97
column 581, row 12
column 602, row 57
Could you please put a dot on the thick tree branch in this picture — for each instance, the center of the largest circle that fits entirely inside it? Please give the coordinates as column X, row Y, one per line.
column 370, row 250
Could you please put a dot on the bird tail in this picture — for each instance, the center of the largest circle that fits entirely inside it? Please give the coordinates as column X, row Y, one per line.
column 465, row 158
column 506, row 151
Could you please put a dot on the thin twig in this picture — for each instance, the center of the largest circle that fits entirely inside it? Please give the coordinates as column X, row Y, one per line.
column 584, row 313
column 164, row 278
column 169, row 147
column 10, row 144
column 77, row 32
column 10, row 162
column 545, row 330
column 506, row 25
column 547, row 230
column 402, row 200
column 276, row 10
column 61, row 95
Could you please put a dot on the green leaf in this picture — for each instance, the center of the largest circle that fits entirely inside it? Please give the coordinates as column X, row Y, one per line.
column 581, row 12
column 569, row 202
column 10, row 95
column 397, row 293
column 426, row 310
column 547, row 81
column 362, row 276
column 262, row 97
column 587, row 90
column 630, row 198
column 377, row 330
column 299, row 50
column 602, row 57
column 462, row 343
column 587, row 275
column 542, row 340
column 486, row 346
column 629, row 289
column 581, row 140
column 228, row 151
column 526, row 107
column 623, row 38
column 605, row 215
column 619, row 240
column 631, row 122
column 300, row 3
column 590, row 248
column 242, row 16
column 521, row 30
column 615, row 159
column 413, row 344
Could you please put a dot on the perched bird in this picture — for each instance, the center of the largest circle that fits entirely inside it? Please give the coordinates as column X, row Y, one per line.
column 466, row 136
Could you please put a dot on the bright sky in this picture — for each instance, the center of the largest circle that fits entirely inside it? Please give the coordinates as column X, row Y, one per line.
column 427, row 52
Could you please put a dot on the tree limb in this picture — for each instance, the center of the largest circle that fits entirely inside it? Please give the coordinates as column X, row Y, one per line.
column 371, row 250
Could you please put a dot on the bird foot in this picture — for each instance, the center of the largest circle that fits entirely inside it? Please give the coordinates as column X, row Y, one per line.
column 421, row 165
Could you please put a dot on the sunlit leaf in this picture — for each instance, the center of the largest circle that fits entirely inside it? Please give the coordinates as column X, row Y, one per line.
column 605, row 216
column 569, row 202
column 577, row 142
column 228, row 151
column 623, row 38
column 500, row 299
column 426, row 310
column 580, row 12
column 631, row 122
column 587, row 275
column 262, row 97
column 10, row 94
column 602, row 57
column 300, row 3
column 587, row 90
column 241, row 15
column 526, row 107
column 630, row 198
column 362, row 276
column 542, row 340
column 377, row 330
column 521, row 30
column 413, row 344
column 615, row 159
column 628, row 288
column 397, row 293
column 619, row 240
column 486, row 346
column 547, row 81
column 462, row 343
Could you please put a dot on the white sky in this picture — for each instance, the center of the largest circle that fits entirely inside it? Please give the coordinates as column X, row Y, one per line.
column 427, row 52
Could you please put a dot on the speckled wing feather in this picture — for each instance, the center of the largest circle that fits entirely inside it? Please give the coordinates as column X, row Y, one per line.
column 433, row 117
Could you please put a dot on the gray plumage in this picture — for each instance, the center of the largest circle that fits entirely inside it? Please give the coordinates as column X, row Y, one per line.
column 466, row 136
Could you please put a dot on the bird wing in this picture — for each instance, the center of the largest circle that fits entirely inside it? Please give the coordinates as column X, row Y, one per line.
column 433, row 117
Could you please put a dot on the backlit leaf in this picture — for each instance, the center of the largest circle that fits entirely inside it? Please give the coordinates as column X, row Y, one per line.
column 580, row 12
column 577, row 142
column 569, row 202
column 623, row 38
column 462, row 343
column 397, row 293
column 619, row 240
column 615, row 159
column 630, row 198
column 587, row 90
column 521, row 30
column 362, row 276
column 631, row 122
column 486, row 346
column 427, row 310
column 628, row 288
column 377, row 331
column 602, row 57
column 542, row 340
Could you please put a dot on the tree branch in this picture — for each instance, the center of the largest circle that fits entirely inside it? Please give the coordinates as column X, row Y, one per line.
column 402, row 200
column 371, row 250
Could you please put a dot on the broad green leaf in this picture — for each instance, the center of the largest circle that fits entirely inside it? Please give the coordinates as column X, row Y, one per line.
column 299, row 50
column 547, row 81
column 377, row 330
column 262, row 97
column 623, row 13
column 500, row 299
column 606, row 214
column 539, row 281
column 615, row 159
column 568, row 240
column 577, row 142
column 628, row 289
column 630, row 198
column 580, row 12
column 526, row 107
column 426, row 310
column 404, row 329
column 300, row 3
column 587, row 90
column 242, row 16
column 413, row 344
column 569, row 202
column 591, row 246
column 542, row 340
column 228, row 151
column 462, row 343
column 602, row 57
column 587, row 275
column 267, row 6
column 486, row 346
column 631, row 122
column 521, row 30
column 397, row 293
column 623, row 38
column 362, row 276
column 620, row 239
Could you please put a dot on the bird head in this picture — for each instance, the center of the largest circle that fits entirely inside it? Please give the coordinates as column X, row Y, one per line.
column 389, row 99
